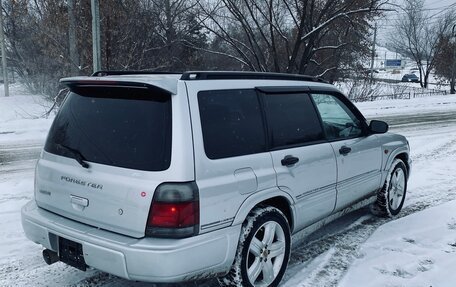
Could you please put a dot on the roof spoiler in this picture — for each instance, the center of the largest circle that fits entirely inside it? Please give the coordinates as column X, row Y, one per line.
column 103, row 73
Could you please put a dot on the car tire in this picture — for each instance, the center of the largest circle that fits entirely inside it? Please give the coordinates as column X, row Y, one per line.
column 391, row 197
column 263, row 251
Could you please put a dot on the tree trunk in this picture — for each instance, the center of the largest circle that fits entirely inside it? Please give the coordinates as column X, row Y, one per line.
column 453, row 85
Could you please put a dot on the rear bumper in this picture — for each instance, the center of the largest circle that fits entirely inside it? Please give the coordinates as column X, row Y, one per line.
column 145, row 259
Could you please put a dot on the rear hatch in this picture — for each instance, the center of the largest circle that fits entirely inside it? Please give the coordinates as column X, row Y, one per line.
column 104, row 156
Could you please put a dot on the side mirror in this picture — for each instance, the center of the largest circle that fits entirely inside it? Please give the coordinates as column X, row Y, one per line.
column 378, row 127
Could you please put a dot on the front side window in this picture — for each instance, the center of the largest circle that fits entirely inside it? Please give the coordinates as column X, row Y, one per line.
column 123, row 127
column 292, row 120
column 338, row 121
column 231, row 123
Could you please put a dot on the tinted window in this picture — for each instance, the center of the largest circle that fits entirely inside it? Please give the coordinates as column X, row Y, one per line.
column 292, row 119
column 339, row 122
column 231, row 122
column 124, row 127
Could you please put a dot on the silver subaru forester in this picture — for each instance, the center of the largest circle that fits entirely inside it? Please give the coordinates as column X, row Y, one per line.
column 176, row 177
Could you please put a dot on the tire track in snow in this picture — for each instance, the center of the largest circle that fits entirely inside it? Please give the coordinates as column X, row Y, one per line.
column 336, row 252
column 442, row 150
column 322, row 261
column 343, row 246
column 39, row 274
column 19, row 153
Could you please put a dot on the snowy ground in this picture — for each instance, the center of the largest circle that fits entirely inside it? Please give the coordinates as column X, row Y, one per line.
column 416, row 249
column 422, row 254
column 402, row 107
column 21, row 117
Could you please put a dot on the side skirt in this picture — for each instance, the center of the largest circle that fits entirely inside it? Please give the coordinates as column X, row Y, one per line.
column 301, row 236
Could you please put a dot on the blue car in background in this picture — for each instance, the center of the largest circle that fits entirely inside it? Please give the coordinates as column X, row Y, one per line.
column 410, row 78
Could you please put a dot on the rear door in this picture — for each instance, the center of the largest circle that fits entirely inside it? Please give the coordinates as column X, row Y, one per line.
column 106, row 152
column 304, row 162
column 231, row 157
column 358, row 154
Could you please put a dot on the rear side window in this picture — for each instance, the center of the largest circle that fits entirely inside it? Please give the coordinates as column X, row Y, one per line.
column 231, row 123
column 123, row 127
column 292, row 120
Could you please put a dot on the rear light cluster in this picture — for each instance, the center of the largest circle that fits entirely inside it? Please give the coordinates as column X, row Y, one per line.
column 174, row 212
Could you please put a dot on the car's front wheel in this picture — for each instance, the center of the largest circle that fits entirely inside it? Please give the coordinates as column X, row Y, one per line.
column 390, row 198
column 263, row 250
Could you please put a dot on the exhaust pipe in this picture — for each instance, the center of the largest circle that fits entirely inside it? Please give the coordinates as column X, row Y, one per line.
column 50, row 257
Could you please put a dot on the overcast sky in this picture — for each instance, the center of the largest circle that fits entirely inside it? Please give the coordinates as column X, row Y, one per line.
column 438, row 3
column 386, row 24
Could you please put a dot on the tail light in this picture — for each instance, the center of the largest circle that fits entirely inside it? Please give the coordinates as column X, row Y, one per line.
column 174, row 212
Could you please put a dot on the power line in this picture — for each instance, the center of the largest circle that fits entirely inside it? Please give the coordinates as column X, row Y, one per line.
column 443, row 8
column 427, row 17
column 395, row 25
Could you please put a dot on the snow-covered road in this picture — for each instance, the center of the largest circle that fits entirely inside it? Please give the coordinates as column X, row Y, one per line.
column 335, row 255
column 326, row 259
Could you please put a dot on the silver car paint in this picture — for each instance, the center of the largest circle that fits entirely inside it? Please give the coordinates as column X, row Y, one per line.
column 220, row 196
column 166, row 82
column 394, row 145
column 229, row 189
column 311, row 181
column 221, row 191
column 145, row 259
column 123, row 203
column 359, row 171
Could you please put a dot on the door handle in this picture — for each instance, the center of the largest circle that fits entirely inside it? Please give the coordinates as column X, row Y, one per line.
column 289, row 160
column 344, row 150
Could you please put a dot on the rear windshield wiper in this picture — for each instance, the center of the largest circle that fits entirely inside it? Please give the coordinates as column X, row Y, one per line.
column 77, row 155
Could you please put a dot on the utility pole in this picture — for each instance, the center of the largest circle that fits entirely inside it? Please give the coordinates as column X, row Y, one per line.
column 74, row 54
column 453, row 72
column 4, row 66
column 373, row 55
column 96, row 35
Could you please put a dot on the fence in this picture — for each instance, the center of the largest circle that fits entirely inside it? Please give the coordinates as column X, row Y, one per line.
column 414, row 93
column 365, row 91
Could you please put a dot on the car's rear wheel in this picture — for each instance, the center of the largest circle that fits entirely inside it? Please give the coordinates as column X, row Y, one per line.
column 263, row 251
column 390, row 198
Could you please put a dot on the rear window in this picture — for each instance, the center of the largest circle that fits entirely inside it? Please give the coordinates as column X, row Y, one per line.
column 125, row 127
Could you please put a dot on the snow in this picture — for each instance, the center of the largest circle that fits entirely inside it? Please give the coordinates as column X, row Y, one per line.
column 20, row 125
column 429, row 104
column 415, row 249
column 396, row 73
column 16, row 114
column 15, row 191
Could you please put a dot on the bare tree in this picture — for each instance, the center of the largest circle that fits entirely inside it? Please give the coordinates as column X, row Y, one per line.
column 445, row 65
column 177, row 29
column 48, row 39
column 288, row 35
column 418, row 34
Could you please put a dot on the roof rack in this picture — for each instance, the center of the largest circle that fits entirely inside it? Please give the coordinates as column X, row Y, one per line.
column 218, row 75
column 144, row 72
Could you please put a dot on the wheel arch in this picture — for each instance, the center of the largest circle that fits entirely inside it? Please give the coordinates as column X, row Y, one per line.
column 401, row 153
column 282, row 204
column 278, row 199
column 405, row 158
